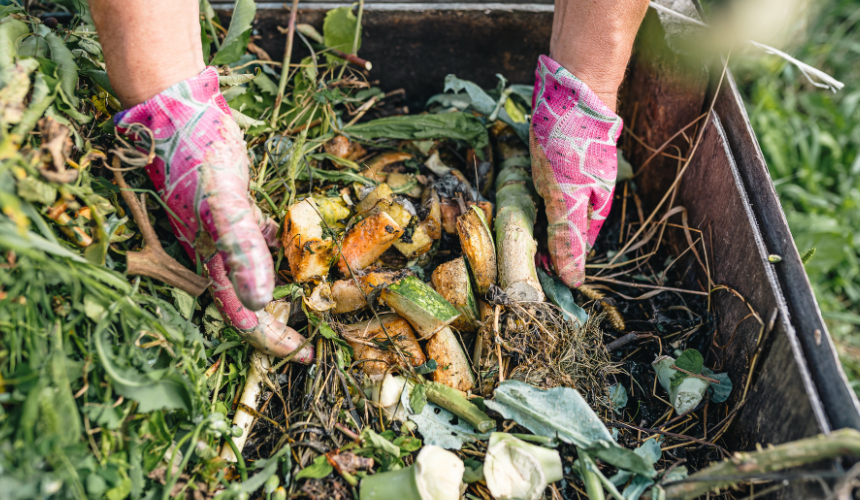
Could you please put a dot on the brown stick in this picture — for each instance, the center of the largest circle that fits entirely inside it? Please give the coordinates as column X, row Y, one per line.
column 295, row 130
column 670, row 434
column 153, row 261
column 744, row 465
column 696, row 375
column 352, row 58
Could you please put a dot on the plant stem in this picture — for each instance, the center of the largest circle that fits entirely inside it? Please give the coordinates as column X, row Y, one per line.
column 451, row 399
column 213, row 31
column 240, row 462
column 394, row 485
column 218, row 381
column 355, row 38
column 592, row 482
column 171, row 478
column 285, row 70
column 752, row 464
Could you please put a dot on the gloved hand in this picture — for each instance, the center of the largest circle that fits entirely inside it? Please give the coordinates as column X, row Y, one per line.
column 574, row 163
column 201, row 171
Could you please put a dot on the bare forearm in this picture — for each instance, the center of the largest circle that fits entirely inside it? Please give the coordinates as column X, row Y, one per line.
column 593, row 39
column 149, row 45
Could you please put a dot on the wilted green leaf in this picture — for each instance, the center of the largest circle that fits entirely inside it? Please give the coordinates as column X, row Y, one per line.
column 625, row 169
column 32, row 189
column 418, row 398
column 618, row 396
column 317, row 470
column 371, row 438
column 411, row 127
column 439, row 427
column 339, row 31
column 690, row 360
column 171, row 391
column 327, row 332
column 559, row 294
column 291, row 290
column 237, row 79
column 480, row 101
column 10, row 32
column 100, row 78
column 244, row 121
column 426, row 368
column 67, row 70
column 238, row 34
column 184, row 302
column 719, row 392
column 474, row 471
column 562, row 412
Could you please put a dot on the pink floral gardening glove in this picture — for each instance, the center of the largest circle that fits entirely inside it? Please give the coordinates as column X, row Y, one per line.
column 201, row 171
column 574, row 162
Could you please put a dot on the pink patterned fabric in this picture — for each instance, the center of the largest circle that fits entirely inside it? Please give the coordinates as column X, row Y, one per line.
column 201, row 171
column 574, row 163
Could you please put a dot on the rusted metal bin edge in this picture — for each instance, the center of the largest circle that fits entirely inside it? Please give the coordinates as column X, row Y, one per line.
column 798, row 314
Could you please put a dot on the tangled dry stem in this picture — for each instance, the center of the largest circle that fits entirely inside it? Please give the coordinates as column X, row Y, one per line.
column 552, row 352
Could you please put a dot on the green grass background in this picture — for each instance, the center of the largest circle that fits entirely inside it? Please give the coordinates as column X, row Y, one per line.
column 811, row 138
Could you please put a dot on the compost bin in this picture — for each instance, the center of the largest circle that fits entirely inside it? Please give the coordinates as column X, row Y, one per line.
column 798, row 388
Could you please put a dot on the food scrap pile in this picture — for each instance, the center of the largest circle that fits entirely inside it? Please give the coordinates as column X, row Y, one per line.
column 448, row 360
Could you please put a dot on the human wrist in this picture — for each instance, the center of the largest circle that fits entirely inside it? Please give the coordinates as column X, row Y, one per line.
column 600, row 74
column 149, row 83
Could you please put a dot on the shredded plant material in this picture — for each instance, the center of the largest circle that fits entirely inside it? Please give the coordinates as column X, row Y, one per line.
column 449, row 359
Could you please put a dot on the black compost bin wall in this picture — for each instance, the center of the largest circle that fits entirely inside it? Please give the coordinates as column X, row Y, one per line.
column 798, row 388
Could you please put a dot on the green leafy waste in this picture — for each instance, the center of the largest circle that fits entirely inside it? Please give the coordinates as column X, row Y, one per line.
column 339, row 31
column 455, row 125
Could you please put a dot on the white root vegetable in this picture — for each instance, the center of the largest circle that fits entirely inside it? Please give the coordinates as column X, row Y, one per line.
column 436, row 475
column 250, row 398
column 515, row 469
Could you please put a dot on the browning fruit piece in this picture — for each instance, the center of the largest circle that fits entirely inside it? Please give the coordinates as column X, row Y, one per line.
column 453, row 366
column 367, row 240
column 401, row 333
column 406, row 184
column 341, row 147
column 433, row 221
column 309, row 255
column 477, row 243
column 450, row 211
column 349, row 297
column 381, row 192
column 379, row 162
column 420, row 243
column 451, row 280
column 400, row 209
